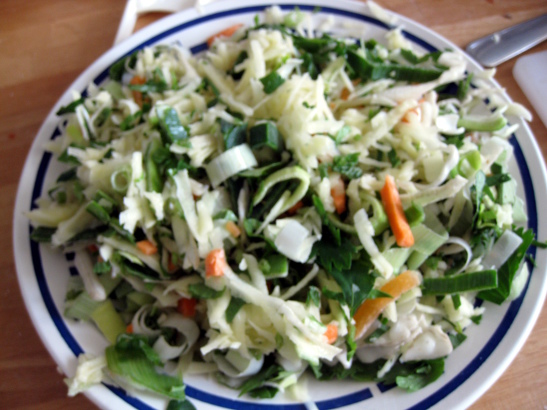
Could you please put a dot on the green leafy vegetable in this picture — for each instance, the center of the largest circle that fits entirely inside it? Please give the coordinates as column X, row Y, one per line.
column 347, row 165
column 134, row 359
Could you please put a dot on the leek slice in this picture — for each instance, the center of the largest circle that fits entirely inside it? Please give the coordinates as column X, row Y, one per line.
column 428, row 237
column 265, row 135
column 492, row 122
column 230, row 163
column 83, row 306
column 108, row 321
column 287, row 200
column 467, row 282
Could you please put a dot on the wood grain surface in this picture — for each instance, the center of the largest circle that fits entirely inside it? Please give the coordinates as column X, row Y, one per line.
column 45, row 45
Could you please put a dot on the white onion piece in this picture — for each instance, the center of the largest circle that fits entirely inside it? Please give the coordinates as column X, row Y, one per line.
column 236, row 366
column 453, row 245
column 139, row 322
column 186, row 327
column 504, row 247
column 230, row 163
column 295, row 242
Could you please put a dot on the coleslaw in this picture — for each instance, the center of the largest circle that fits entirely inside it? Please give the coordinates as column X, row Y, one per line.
column 291, row 201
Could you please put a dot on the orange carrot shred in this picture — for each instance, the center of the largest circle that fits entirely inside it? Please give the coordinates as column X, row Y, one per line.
column 344, row 95
column 147, row 247
column 338, row 193
column 215, row 262
column 129, row 328
column 171, row 266
column 331, row 333
column 233, row 229
column 224, row 33
column 187, row 307
column 137, row 95
column 370, row 309
column 292, row 210
column 395, row 213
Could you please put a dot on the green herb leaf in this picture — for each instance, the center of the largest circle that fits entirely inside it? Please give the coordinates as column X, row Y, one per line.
column 134, row 359
column 456, row 339
column 314, row 296
column 356, row 283
column 333, row 256
column 414, row 376
column 347, row 165
column 258, row 380
column 180, row 405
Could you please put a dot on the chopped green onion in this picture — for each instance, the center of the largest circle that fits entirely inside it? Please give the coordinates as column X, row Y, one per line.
column 233, row 308
column 120, row 180
column 172, row 131
column 265, row 135
column 271, row 82
column 67, row 175
column 235, row 135
column 42, row 234
column 415, row 214
column 98, row 211
column 70, row 108
column 488, row 123
column 466, row 282
column 154, row 182
column 274, row 266
column 369, row 70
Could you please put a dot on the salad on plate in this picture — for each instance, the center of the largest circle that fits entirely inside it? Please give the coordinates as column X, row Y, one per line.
column 292, row 201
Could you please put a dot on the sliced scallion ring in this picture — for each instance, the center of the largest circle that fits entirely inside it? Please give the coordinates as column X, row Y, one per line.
column 230, row 163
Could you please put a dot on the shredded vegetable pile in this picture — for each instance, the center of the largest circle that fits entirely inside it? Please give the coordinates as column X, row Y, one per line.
column 286, row 203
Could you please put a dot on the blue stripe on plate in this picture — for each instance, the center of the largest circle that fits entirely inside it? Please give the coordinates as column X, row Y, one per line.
column 325, row 404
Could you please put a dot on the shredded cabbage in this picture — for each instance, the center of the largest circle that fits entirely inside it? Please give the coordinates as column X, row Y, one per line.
column 249, row 257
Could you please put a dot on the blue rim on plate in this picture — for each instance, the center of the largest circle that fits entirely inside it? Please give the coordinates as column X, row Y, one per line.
column 348, row 399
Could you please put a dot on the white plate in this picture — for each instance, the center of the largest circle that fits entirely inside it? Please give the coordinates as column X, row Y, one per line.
column 469, row 371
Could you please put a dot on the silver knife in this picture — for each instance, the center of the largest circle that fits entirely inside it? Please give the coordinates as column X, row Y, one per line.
column 503, row 45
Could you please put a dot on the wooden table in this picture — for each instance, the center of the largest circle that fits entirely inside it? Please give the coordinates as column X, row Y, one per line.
column 45, row 45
